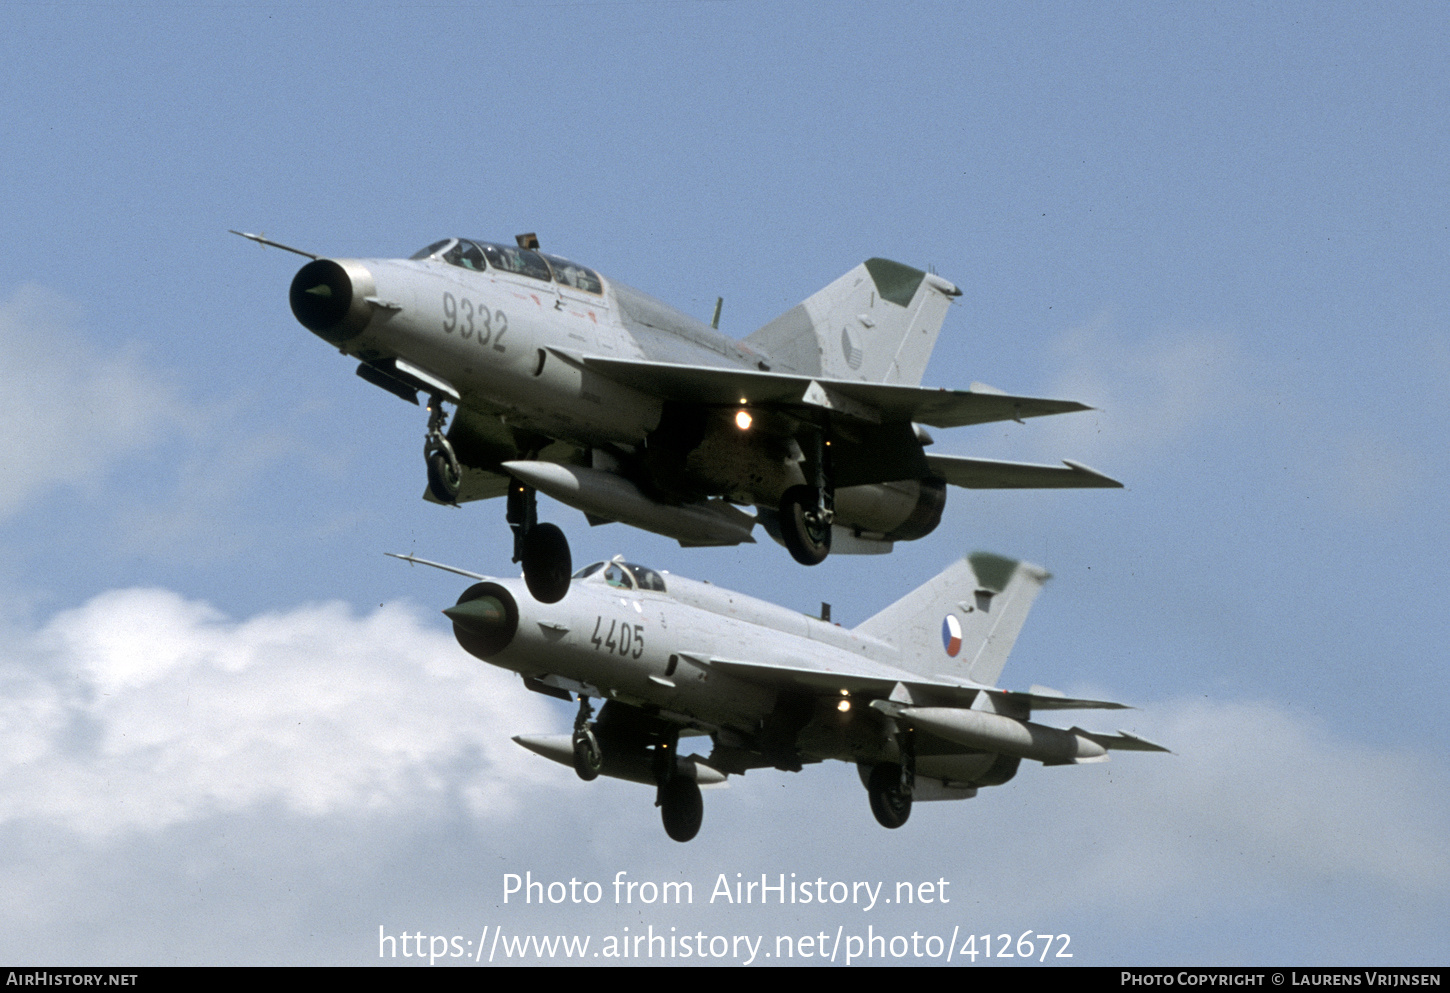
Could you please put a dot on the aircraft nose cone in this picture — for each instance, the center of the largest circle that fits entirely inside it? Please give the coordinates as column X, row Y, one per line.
column 329, row 299
column 485, row 619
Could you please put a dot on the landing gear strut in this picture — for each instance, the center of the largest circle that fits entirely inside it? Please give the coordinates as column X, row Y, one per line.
column 890, row 785
column 804, row 526
column 806, row 512
column 588, row 759
column 445, row 474
column 542, row 549
column 681, row 807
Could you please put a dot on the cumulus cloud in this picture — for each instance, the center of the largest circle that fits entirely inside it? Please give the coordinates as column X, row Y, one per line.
column 70, row 411
column 1149, row 394
column 1371, row 473
column 182, row 748
column 142, row 710
column 1266, row 799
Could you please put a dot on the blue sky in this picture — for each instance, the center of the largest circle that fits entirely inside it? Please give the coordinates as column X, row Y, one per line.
column 235, row 732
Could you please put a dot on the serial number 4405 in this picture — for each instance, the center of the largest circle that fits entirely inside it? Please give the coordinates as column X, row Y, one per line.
column 620, row 639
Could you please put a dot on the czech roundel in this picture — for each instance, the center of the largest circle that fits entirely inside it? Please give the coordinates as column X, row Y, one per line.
column 951, row 635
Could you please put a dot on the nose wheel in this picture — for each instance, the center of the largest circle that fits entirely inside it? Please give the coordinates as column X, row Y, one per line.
column 588, row 758
column 445, row 473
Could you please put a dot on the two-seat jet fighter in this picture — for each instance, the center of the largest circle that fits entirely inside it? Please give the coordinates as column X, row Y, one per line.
column 609, row 401
column 909, row 695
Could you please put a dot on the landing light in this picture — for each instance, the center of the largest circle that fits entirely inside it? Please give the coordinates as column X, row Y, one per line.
column 844, row 706
column 742, row 420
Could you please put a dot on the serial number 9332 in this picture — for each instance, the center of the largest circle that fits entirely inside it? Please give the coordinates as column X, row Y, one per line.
column 472, row 320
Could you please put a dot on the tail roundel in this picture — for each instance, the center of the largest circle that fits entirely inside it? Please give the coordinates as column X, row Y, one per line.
column 878, row 324
column 964, row 621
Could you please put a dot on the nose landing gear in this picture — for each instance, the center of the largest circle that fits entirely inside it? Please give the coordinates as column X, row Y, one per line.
column 445, row 473
column 542, row 549
column 588, row 759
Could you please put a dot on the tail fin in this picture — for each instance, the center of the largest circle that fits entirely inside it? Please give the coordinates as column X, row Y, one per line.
column 964, row 621
column 878, row 323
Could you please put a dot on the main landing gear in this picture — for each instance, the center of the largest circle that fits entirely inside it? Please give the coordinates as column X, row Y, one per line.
column 542, row 549
column 805, row 524
column 678, row 796
column 641, row 753
column 807, row 512
column 890, row 797
column 890, row 785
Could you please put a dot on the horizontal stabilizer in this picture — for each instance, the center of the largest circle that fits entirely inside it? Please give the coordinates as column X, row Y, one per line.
column 1122, row 741
column 1038, row 700
column 990, row 474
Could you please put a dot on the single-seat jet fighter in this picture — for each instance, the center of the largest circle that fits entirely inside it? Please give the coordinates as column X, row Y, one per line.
column 910, row 695
column 609, row 401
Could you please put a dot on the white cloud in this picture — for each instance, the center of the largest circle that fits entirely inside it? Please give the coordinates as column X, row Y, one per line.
column 1371, row 474
column 146, row 726
column 142, row 710
column 71, row 411
column 1148, row 394
column 1256, row 803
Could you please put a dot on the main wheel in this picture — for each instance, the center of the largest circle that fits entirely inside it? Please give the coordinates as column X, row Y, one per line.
column 681, row 808
column 588, row 759
column 445, row 477
column 546, row 562
column 805, row 534
column 890, row 804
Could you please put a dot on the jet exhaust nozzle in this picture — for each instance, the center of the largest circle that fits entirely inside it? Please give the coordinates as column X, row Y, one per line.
column 485, row 619
column 329, row 298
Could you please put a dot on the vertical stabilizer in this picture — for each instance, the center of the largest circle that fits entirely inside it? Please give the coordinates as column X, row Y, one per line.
column 964, row 621
column 878, row 323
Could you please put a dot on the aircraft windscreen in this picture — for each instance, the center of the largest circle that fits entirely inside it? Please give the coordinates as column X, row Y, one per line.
column 575, row 275
column 646, row 579
column 623, row 575
column 465, row 255
column 519, row 260
column 432, row 249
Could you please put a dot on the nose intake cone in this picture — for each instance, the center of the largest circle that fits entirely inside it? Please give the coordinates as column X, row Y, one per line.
column 329, row 299
column 485, row 619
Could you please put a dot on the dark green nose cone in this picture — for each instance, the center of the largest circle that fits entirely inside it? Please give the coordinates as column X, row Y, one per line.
column 485, row 619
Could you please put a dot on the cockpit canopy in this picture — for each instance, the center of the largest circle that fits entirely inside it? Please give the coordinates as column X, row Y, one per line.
column 623, row 575
column 480, row 256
